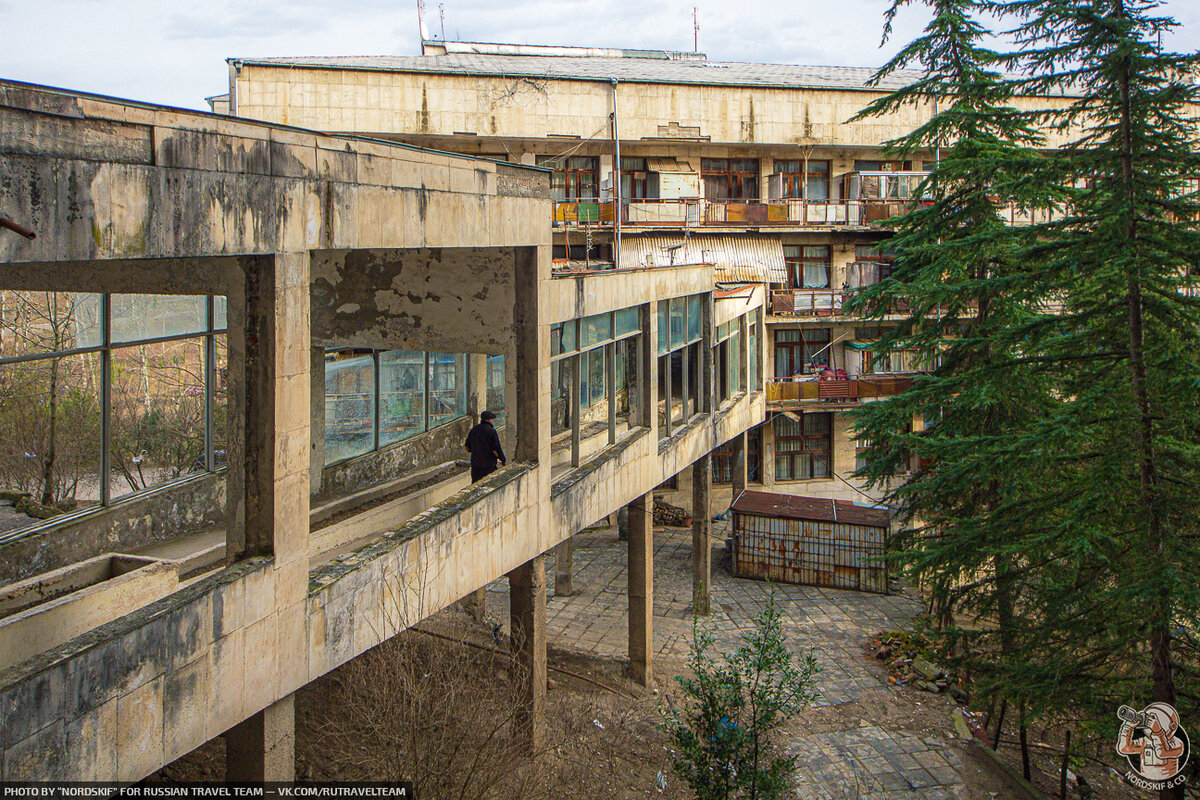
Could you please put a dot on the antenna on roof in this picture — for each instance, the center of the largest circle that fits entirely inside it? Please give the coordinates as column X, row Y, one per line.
column 442, row 16
column 425, row 37
column 695, row 29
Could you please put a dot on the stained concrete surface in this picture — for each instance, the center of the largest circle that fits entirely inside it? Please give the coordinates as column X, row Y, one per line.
column 853, row 758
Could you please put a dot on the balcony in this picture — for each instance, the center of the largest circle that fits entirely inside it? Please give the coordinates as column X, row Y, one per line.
column 696, row 213
column 806, row 302
column 812, row 393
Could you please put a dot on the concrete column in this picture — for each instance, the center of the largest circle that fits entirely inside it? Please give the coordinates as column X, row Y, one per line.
column 702, row 535
column 527, row 618
column 740, row 476
column 708, row 387
column 263, row 747
column 270, row 455
column 641, row 589
column 526, row 388
column 477, row 369
column 316, row 391
column 475, row 603
column 564, row 555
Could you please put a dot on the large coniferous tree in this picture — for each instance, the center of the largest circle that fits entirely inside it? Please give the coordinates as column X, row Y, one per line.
column 972, row 508
column 1127, row 343
column 1067, row 453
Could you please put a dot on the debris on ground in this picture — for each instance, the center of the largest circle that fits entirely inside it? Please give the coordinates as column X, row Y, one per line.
column 915, row 658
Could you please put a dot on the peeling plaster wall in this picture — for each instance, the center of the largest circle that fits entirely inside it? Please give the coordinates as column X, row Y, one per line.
column 188, row 507
column 444, row 299
column 99, row 179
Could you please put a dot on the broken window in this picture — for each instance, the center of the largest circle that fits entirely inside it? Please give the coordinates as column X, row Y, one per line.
column 723, row 458
column 680, row 329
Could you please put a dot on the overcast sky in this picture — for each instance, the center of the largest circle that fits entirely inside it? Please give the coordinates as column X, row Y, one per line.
column 168, row 51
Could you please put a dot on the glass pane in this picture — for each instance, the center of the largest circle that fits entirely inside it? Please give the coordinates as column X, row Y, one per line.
column 664, row 334
column 149, row 316
column 220, row 392
column 596, row 328
column 678, row 314
column 220, row 312
column 45, row 322
column 555, row 339
column 755, row 367
column 627, row 321
column 447, row 387
column 568, row 337
column 157, row 407
column 664, row 391
column 401, row 395
column 597, row 375
column 560, row 396
column 694, row 317
column 349, row 405
column 625, row 392
column 495, row 387
column 50, row 418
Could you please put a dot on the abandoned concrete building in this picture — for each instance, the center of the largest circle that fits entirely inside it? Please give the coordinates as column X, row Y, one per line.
column 237, row 362
column 663, row 158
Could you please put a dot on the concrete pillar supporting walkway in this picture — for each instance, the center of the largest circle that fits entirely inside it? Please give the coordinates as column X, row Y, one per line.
column 641, row 589
column 527, row 618
column 702, row 535
column 564, row 555
column 263, row 747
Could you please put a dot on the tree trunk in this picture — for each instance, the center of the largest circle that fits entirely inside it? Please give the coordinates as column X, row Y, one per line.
column 51, row 455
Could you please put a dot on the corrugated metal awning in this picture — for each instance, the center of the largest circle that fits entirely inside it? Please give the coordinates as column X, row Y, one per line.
column 666, row 165
column 744, row 258
column 809, row 508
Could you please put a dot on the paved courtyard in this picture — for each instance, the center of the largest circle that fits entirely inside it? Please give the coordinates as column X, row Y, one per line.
column 856, row 758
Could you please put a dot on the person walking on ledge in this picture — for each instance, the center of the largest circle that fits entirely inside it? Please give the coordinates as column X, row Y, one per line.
column 483, row 443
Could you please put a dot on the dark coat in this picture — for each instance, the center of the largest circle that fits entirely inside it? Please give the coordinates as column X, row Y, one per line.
column 484, row 445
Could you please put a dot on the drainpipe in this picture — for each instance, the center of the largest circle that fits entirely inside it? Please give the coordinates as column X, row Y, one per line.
column 616, row 182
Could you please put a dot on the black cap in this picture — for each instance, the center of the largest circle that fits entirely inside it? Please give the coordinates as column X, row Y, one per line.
column 486, row 415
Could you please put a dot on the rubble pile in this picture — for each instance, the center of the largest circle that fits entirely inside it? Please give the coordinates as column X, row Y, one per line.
column 912, row 660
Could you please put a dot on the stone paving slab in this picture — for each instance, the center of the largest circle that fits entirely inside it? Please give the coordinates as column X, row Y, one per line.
column 867, row 763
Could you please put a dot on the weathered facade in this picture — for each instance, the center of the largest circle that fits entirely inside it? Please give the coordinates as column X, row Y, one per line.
column 312, row 258
column 666, row 158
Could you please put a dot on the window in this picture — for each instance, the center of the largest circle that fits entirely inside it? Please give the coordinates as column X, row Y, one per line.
column 104, row 395
column 808, row 266
column 377, row 398
column 723, row 459
column 637, row 182
column 870, row 165
column 595, row 358
column 495, row 388
column 893, row 361
column 798, row 351
column 802, row 447
column 730, row 178
column 574, row 178
column 680, row 328
column 807, row 179
column 401, row 395
column 755, row 369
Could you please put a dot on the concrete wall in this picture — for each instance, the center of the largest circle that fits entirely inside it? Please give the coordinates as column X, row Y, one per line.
column 190, row 506
column 498, row 106
column 443, row 443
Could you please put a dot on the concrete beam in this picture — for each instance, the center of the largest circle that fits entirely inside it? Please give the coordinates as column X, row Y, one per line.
column 641, row 589
column 263, row 747
column 702, row 535
column 527, row 617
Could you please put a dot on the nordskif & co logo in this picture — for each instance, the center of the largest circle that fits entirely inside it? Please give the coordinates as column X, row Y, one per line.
column 1155, row 746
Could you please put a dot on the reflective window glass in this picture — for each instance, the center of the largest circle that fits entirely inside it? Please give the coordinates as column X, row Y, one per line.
column 151, row 316
column 401, row 395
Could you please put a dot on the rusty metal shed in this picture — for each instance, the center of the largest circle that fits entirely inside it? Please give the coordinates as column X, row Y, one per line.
column 808, row 540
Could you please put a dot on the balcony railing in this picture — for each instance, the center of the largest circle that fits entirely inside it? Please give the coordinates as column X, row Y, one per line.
column 786, row 392
column 677, row 213
column 806, row 302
